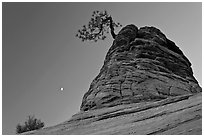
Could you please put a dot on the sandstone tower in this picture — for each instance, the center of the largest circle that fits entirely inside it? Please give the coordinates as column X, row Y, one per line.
column 141, row 65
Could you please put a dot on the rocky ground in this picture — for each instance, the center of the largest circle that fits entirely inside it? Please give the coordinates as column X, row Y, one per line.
column 146, row 86
column 172, row 116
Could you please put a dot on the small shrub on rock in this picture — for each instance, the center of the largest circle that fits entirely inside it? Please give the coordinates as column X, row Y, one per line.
column 31, row 123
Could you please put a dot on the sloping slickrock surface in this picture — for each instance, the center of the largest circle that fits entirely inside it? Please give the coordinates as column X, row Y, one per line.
column 141, row 65
column 171, row 116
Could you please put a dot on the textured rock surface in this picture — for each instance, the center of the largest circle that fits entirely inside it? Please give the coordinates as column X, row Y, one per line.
column 141, row 65
column 179, row 115
column 145, row 87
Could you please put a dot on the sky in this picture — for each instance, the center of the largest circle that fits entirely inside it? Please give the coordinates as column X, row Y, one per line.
column 41, row 55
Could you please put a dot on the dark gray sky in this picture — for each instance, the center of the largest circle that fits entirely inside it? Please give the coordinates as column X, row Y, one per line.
column 40, row 53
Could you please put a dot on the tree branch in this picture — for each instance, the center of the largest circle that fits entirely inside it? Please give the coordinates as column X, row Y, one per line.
column 111, row 26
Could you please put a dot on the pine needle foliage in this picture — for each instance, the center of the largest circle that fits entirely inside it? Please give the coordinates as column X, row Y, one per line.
column 99, row 26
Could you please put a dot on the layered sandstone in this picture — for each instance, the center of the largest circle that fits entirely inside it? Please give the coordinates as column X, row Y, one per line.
column 141, row 65
column 179, row 115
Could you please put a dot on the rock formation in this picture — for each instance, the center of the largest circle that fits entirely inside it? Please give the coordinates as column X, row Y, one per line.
column 141, row 65
column 146, row 86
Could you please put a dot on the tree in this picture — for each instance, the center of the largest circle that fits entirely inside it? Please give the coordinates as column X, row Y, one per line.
column 98, row 27
column 31, row 124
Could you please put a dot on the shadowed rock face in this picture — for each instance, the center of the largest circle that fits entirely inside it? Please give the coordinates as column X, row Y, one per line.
column 142, row 65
